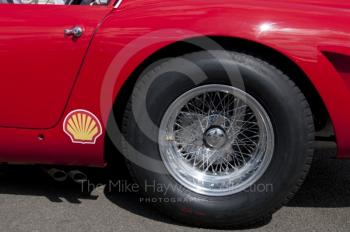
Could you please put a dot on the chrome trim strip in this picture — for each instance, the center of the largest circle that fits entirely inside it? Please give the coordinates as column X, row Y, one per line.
column 118, row 4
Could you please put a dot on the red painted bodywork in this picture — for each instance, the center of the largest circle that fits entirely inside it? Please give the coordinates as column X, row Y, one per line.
column 45, row 75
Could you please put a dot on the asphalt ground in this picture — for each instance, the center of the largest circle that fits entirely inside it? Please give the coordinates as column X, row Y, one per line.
column 30, row 200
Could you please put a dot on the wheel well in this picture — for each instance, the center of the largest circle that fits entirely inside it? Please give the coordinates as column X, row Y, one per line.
column 275, row 58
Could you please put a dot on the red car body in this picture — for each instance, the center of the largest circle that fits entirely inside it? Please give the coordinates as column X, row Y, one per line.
column 46, row 75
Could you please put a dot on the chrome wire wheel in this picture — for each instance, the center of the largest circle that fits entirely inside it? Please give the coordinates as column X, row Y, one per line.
column 216, row 140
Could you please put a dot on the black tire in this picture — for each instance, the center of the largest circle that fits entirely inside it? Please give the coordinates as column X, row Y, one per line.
column 290, row 115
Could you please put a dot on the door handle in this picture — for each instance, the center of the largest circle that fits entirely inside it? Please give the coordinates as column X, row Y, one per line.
column 76, row 31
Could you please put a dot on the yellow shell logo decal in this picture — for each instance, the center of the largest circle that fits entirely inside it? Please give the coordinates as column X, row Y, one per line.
column 82, row 126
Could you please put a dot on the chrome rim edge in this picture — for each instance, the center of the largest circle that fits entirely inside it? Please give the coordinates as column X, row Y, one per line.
column 216, row 140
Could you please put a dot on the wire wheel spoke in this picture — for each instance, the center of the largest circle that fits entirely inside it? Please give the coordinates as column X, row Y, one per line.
column 223, row 140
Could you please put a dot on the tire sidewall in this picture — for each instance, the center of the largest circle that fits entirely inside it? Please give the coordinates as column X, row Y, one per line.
column 270, row 88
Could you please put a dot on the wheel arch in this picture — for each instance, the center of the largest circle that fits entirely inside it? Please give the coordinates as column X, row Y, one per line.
column 274, row 57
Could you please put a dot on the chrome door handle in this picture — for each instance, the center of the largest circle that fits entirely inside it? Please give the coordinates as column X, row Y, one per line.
column 76, row 31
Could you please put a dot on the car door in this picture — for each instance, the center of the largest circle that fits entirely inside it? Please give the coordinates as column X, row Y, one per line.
column 39, row 62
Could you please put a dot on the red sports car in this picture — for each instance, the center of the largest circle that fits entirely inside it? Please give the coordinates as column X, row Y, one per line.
column 213, row 104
